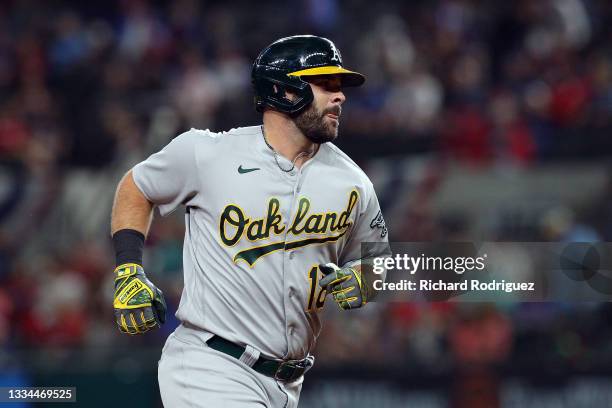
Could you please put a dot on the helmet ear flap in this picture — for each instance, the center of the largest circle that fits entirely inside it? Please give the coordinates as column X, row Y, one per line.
column 271, row 90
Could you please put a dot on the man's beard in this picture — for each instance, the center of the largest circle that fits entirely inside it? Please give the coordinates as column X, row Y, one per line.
column 313, row 125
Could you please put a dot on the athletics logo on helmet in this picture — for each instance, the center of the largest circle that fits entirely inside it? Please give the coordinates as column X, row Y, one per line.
column 281, row 65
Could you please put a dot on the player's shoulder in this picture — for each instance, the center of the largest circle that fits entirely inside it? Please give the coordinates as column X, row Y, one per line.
column 343, row 162
column 233, row 135
column 192, row 138
column 195, row 136
column 206, row 141
column 245, row 131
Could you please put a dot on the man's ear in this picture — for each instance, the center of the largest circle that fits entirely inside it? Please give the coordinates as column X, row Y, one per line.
column 290, row 95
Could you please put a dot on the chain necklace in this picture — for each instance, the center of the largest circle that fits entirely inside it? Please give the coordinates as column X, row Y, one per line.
column 276, row 155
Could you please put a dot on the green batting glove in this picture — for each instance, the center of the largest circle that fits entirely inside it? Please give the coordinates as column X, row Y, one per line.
column 346, row 285
column 139, row 305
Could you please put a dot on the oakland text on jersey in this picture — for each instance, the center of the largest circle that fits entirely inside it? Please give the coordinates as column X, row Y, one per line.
column 321, row 223
column 255, row 229
column 234, row 224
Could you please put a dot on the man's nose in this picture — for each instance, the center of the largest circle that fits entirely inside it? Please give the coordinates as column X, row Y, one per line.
column 339, row 98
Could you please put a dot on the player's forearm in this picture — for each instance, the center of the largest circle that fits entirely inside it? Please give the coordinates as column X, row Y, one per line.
column 131, row 209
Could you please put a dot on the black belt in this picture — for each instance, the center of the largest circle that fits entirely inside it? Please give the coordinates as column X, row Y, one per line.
column 287, row 371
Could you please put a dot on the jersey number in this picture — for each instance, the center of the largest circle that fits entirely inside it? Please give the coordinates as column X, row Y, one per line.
column 315, row 291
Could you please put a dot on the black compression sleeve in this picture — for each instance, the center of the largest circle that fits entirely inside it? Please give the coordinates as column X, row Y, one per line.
column 128, row 245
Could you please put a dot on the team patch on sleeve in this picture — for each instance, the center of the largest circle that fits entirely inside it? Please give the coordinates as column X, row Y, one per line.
column 379, row 222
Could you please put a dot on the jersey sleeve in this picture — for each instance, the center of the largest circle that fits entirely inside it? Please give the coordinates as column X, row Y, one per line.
column 169, row 177
column 369, row 227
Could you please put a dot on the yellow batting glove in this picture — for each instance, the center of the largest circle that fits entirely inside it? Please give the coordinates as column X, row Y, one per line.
column 345, row 284
column 139, row 305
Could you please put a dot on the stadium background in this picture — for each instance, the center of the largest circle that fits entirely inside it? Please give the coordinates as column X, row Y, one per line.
column 479, row 121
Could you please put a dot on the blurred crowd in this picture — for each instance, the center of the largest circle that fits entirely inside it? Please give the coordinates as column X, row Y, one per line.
column 81, row 85
column 88, row 89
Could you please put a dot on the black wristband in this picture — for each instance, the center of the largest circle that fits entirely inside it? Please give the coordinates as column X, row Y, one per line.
column 129, row 245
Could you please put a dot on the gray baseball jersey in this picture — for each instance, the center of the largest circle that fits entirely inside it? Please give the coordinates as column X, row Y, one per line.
column 255, row 234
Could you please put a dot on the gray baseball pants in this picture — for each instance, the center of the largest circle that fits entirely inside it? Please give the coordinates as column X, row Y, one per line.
column 191, row 374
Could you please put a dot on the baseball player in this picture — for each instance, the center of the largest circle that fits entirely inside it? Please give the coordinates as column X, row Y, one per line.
column 275, row 217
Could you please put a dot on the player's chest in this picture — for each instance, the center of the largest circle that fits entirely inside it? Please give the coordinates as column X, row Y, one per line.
column 253, row 203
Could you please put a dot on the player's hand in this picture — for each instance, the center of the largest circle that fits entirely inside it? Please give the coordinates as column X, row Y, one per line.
column 139, row 305
column 345, row 284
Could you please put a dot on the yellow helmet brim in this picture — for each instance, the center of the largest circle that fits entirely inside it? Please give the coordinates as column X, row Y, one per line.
column 349, row 78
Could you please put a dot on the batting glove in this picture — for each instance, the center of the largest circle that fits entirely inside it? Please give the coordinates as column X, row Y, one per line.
column 346, row 285
column 139, row 305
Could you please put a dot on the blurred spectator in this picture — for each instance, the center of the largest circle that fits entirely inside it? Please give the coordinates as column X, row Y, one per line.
column 559, row 225
column 196, row 92
column 481, row 336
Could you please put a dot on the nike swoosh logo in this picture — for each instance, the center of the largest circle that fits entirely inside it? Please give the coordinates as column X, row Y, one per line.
column 242, row 170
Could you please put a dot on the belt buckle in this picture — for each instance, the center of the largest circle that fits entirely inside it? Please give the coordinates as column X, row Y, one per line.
column 291, row 370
